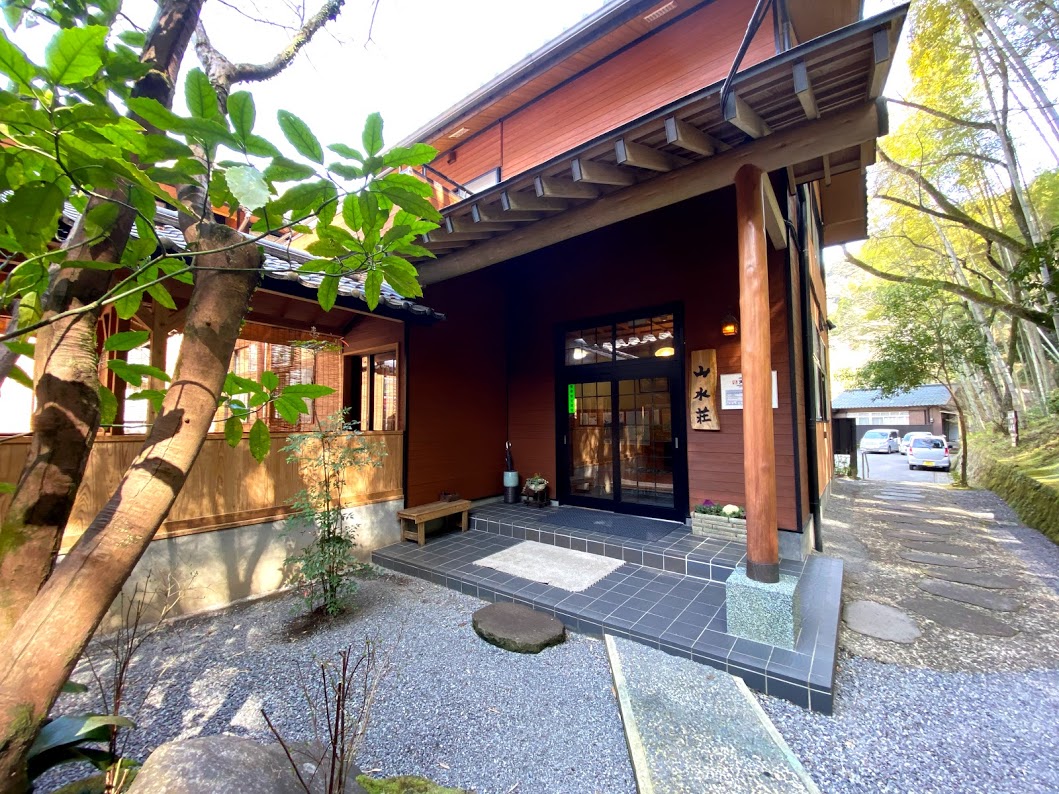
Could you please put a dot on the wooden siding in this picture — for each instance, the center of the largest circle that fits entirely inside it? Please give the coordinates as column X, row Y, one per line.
column 693, row 53
column 470, row 161
column 651, row 260
column 226, row 487
column 456, row 408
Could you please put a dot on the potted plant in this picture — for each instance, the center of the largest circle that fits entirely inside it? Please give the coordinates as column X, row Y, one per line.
column 535, row 491
column 710, row 518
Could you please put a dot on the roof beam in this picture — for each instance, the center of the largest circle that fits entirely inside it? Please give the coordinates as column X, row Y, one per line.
column 491, row 213
column 690, row 138
column 739, row 114
column 590, row 171
column 774, row 223
column 455, row 224
column 553, row 187
column 867, row 154
column 799, row 143
column 640, row 156
column 803, row 89
column 529, row 202
column 880, row 64
column 440, row 237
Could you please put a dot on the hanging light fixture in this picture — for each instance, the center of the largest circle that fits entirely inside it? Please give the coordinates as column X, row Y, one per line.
column 729, row 325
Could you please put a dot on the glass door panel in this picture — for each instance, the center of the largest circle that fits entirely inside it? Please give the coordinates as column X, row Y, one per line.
column 645, row 442
column 591, row 427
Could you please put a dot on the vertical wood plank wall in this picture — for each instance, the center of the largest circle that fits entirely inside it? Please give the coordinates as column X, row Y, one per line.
column 670, row 64
column 226, row 487
column 492, row 390
column 457, row 391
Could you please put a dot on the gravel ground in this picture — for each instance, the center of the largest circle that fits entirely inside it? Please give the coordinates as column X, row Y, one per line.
column 951, row 712
column 452, row 708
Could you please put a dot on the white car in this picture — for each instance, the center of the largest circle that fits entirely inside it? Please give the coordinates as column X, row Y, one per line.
column 880, row 439
column 931, row 452
column 906, row 440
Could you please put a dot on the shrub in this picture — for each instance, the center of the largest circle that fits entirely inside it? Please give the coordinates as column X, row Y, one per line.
column 322, row 569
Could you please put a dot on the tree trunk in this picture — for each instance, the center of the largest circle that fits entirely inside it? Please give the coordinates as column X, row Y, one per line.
column 66, row 376
column 51, row 633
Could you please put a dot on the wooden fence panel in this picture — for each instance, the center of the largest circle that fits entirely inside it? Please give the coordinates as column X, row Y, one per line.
column 226, row 487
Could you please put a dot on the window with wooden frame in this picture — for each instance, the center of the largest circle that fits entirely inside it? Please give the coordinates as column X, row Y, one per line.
column 372, row 394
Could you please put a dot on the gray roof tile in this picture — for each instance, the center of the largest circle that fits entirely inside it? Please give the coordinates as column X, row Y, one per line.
column 929, row 395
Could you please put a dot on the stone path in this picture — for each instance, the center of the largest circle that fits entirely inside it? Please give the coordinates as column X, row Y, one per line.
column 955, row 591
column 692, row 729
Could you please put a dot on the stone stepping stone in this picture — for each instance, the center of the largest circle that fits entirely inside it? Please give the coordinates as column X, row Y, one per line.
column 880, row 621
column 991, row 581
column 954, row 616
column 968, row 594
column 934, row 547
column 918, row 537
column 934, row 529
column 517, row 628
column 926, row 558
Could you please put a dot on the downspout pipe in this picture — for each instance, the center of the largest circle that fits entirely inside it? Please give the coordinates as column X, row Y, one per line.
column 811, row 448
column 760, row 10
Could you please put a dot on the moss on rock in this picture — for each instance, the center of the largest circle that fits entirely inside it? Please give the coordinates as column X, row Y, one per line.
column 404, row 784
column 1035, row 501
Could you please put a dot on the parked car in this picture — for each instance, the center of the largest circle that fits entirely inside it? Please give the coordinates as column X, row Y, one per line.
column 880, row 439
column 907, row 439
column 929, row 453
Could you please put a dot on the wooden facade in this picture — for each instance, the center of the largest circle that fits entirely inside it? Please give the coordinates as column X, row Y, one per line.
column 508, row 330
column 226, row 487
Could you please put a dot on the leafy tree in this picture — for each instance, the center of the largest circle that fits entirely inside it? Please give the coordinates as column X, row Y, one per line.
column 92, row 125
column 927, row 338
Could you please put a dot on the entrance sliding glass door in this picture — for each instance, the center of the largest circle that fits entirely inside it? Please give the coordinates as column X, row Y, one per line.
column 622, row 419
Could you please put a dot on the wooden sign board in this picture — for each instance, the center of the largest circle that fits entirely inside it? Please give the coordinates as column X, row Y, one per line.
column 703, row 413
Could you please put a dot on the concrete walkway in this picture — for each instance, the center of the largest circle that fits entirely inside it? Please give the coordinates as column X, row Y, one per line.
column 693, row 730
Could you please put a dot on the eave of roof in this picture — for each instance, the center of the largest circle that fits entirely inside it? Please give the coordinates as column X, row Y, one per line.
column 281, row 264
column 843, row 71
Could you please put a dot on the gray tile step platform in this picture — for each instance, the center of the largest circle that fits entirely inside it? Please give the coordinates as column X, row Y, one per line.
column 679, row 614
column 678, row 552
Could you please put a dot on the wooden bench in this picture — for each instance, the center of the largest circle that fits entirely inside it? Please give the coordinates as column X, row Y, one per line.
column 414, row 519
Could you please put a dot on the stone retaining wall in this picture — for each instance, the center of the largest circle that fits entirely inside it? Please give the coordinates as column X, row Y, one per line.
column 1037, row 504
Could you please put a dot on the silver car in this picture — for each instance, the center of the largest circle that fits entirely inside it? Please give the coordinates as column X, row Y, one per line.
column 879, row 440
column 906, row 440
column 929, row 453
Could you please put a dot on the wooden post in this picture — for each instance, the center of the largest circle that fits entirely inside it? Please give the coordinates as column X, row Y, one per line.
column 759, row 446
column 159, row 338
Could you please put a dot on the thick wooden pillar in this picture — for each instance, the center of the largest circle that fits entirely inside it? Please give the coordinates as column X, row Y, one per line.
column 759, row 446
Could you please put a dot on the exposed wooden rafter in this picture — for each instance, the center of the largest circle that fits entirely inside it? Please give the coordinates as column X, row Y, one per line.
column 530, row 202
column 774, row 224
column 691, row 139
column 867, row 154
column 802, row 143
column 492, row 213
column 590, row 171
column 804, row 90
column 462, row 223
column 739, row 114
column 880, row 66
column 553, row 187
column 636, row 154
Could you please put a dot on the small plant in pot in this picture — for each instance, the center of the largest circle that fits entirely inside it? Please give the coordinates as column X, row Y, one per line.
column 535, row 491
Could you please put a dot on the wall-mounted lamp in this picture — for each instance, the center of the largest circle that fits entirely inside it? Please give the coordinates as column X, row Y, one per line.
column 729, row 325
column 663, row 352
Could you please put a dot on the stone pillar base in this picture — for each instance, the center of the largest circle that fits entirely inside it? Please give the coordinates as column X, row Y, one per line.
column 768, row 613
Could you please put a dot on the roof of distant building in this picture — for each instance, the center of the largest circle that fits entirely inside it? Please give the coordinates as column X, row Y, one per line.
column 931, row 394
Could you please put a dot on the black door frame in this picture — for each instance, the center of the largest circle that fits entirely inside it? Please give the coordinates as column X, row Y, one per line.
column 671, row 367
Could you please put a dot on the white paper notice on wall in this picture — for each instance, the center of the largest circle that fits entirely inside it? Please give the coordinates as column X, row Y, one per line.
column 732, row 391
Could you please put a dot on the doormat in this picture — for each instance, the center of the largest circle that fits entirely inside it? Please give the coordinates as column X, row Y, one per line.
column 564, row 568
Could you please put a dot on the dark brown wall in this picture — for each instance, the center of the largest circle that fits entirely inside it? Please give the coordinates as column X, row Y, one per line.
column 457, row 392
column 684, row 254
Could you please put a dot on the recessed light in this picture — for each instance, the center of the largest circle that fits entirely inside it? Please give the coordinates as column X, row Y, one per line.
column 459, row 133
